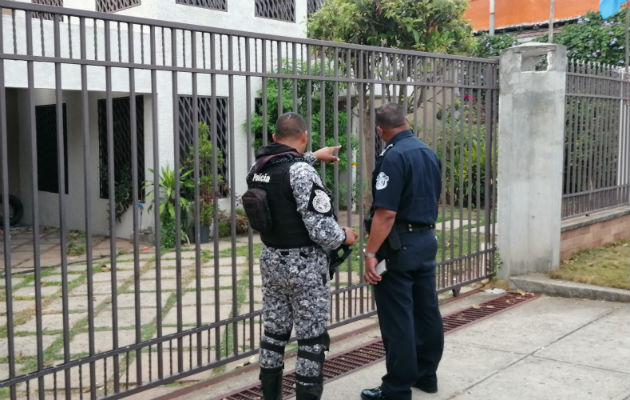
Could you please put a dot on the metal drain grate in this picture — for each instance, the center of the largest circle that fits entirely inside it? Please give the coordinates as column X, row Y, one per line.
column 368, row 354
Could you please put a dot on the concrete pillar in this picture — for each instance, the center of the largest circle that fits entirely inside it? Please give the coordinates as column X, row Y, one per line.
column 531, row 131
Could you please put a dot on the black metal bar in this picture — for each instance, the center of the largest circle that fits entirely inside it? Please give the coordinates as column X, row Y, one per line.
column 134, row 200
column 178, row 210
column 35, row 211
column 196, row 172
column 265, row 129
column 215, row 189
column 156, row 208
column 87, row 193
column 248, row 139
column 232, row 175
column 8, row 278
column 61, row 176
column 348, row 62
column 280, row 70
column 322, row 112
column 112, row 205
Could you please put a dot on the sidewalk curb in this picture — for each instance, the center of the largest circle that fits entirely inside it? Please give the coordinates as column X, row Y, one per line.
column 541, row 283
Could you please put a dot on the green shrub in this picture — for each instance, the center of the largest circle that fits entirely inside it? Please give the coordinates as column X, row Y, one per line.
column 461, row 146
column 490, row 46
column 302, row 94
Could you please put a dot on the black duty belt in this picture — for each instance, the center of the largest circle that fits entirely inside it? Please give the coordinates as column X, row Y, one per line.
column 412, row 226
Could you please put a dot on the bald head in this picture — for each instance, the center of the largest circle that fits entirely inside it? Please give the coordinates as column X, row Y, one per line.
column 290, row 126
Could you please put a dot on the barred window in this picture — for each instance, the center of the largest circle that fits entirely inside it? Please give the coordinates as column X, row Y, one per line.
column 314, row 5
column 56, row 3
column 122, row 148
column 115, row 5
column 212, row 4
column 283, row 10
column 204, row 107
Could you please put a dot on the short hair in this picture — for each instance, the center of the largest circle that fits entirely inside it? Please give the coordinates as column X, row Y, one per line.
column 390, row 115
column 290, row 125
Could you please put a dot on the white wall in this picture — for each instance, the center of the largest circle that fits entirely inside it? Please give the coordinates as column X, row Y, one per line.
column 74, row 200
column 240, row 15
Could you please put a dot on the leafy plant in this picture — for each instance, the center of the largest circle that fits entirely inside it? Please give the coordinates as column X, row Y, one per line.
column 425, row 25
column 594, row 39
column 167, row 201
column 75, row 248
column 206, row 173
column 122, row 187
column 302, row 95
column 490, row 46
column 461, row 146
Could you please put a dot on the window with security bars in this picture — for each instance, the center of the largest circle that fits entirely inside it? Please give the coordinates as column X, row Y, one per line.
column 212, row 4
column 313, row 6
column 283, row 10
column 122, row 151
column 56, row 3
column 47, row 154
column 115, row 5
column 204, row 115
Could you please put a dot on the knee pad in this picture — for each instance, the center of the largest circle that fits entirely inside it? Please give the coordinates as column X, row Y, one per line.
column 319, row 357
column 276, row 348
column 323, row 339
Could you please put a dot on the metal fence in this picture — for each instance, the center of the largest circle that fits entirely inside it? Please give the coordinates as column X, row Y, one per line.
column 597, row 139
column 89, row 313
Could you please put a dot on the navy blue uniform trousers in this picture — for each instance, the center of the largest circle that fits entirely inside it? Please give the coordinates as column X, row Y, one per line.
column 409, row 315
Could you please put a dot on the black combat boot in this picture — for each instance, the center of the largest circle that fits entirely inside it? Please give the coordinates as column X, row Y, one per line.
column 271, row 382
column 309, row 392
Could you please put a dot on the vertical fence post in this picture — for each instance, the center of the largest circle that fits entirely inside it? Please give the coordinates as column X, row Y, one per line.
column 531, row 132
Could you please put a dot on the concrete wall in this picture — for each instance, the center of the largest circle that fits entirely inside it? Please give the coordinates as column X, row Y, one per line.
column 531, row 128
column 593, row 230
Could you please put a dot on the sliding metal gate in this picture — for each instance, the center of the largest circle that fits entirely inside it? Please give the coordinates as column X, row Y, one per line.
column 102, row 116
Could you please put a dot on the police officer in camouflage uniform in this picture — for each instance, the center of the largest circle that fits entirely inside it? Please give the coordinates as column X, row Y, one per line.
column 293, row 262
column 406, row 186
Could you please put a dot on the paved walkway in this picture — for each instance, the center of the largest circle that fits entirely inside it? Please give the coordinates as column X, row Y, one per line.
column 549, row 348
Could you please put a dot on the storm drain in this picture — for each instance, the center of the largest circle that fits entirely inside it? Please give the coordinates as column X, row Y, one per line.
column 373, row 352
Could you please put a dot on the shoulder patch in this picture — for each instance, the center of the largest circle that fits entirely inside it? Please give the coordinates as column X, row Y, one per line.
column 319, row 201
column 381, row 181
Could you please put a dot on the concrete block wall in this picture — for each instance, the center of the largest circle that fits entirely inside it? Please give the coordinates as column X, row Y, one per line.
column 594, row 230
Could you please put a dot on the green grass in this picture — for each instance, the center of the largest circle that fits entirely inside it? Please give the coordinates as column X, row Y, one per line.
column 602, row 266
column 242, row 251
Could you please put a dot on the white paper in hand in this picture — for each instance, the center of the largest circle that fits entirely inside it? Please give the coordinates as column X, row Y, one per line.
column 381, row 267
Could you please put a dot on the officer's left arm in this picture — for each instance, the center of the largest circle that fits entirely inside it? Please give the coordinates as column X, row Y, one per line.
column 315, row 206
column 388, row 189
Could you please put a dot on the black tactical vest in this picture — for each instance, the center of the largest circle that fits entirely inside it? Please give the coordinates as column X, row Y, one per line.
column 288, row 229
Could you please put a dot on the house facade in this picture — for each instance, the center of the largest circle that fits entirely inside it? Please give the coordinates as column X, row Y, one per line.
column 172, row 96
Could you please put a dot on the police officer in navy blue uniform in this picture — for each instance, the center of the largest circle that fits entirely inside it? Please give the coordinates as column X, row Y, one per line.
column 406, row 185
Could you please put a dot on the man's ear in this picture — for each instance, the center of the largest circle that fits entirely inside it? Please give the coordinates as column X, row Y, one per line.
column 273, row 136
column 304, row 137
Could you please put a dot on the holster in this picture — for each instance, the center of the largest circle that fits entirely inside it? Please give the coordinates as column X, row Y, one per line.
column 391, row 243
column 336, row 257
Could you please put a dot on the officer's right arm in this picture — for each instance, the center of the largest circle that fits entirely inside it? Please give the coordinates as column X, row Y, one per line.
column 315, row 206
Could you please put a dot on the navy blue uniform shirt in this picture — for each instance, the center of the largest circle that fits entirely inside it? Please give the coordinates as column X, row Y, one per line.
column 407, row 179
